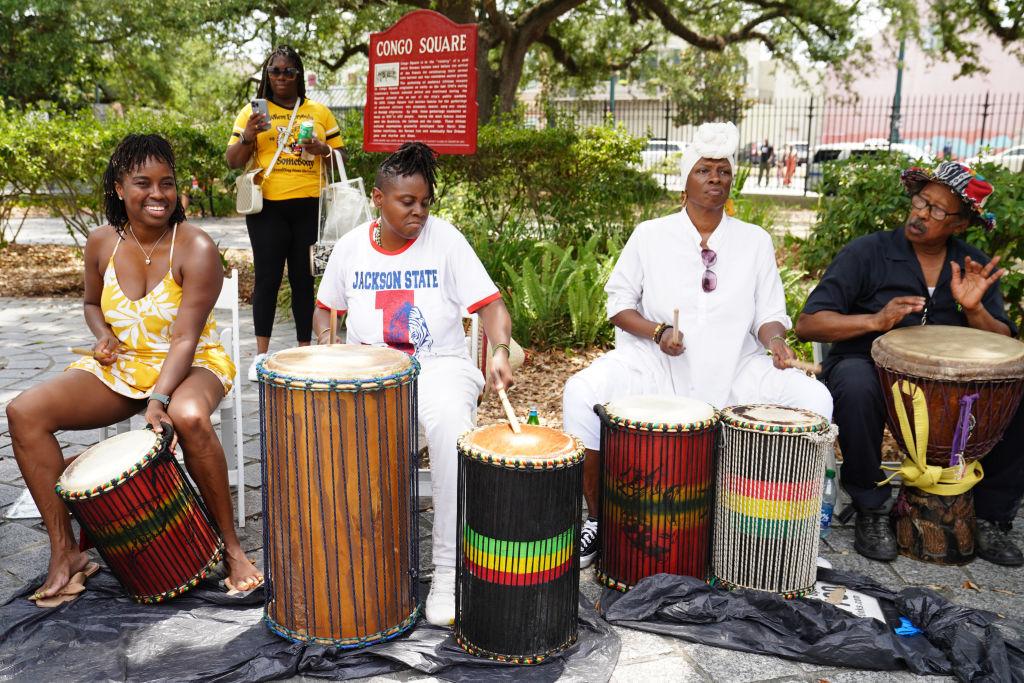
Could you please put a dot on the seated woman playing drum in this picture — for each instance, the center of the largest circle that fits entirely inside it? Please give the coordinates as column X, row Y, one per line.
column 151, row 280
column 404, row 281
column 720, row 274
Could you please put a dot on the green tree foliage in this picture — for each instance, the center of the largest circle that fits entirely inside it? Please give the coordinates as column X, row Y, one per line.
column 960, row 25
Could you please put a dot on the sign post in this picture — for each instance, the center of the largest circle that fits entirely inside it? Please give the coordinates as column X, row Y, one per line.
column 422, row 85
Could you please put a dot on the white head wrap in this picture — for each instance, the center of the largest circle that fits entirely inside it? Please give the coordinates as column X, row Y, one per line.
column 711, row 141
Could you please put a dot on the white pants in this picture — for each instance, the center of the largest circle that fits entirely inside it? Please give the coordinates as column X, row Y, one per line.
column 448, row 390
column 620, row 373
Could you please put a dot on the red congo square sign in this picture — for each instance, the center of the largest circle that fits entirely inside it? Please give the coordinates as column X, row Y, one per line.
column 422, row 85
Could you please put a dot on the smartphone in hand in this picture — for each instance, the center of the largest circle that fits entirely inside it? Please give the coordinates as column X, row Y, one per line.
column 259, row 106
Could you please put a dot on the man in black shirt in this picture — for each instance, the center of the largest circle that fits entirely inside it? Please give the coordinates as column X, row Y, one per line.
column 917, row 274
column 767, row 153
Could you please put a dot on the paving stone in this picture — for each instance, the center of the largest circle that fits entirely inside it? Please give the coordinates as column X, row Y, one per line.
column 672, row 668
column 855, row 676
column 988, row 575
column 730, row 665
column 16, row 538
column 9, row 586
column 83, row 437
column 9, row 472
column 918, row 573
column 29, row 563
column 992, row 601
column 854, row 562
column 253, row 475
column 9, row 493
column 638, row 646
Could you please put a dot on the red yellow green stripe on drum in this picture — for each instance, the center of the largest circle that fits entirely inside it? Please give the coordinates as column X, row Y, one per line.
column 518, row 563
column 765, row 507
column 138, row 527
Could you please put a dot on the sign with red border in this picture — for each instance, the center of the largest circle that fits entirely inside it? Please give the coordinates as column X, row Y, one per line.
column 422, row 85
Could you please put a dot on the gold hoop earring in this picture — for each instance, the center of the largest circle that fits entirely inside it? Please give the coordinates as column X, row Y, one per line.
column 682, row 199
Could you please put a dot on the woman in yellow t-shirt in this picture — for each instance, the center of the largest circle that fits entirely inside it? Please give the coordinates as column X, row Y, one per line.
column 286, row 227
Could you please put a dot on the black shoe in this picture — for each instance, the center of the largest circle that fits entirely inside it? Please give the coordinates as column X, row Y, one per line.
column 873, row 536
column 590, row 543
column 992, row 542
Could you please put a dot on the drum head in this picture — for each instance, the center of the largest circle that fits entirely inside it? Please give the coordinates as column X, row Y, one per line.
column 674, row 412
column 108, row 460
column 536, row 446
column 949, row 352
column 338, row 363
column 770, row 418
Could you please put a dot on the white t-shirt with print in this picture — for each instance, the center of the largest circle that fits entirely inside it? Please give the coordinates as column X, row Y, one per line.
column 411, row 299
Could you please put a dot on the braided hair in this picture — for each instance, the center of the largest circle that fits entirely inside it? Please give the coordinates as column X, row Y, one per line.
column 412, row 158
column 288, row 52
column 131, row 153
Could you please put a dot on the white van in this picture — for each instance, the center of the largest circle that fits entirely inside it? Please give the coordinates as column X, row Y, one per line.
column 840, row 151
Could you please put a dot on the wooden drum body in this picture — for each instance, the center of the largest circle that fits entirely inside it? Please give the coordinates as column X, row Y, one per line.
column 657, row 474
column 138, row 508
column 771, row 464
column 950, row 393
column 338, row 432
column 517, row 563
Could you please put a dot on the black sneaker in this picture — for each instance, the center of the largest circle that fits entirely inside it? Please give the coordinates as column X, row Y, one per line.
column 590, row 543
column 992, row 542
column 873, row 536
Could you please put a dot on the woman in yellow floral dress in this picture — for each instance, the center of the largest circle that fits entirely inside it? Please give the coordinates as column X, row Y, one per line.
column 151, row 281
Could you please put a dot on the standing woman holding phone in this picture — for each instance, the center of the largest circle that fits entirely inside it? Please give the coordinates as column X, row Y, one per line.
column 286, row 227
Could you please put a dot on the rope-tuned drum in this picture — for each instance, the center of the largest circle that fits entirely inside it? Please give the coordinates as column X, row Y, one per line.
column 657, row 474
column 950, row 393
column 771, row 464
column 517, row 563
column 135, row 504
column 338, row 440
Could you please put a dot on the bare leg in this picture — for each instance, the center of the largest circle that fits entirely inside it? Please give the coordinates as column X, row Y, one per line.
column 262, row 344
column 592, row 480
column 191, row 405
column 73, row 400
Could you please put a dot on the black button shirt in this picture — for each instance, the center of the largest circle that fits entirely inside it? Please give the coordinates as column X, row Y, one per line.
column 872, row 270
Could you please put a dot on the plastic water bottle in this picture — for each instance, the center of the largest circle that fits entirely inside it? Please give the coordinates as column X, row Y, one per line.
column 829, row 493
column 533, row 419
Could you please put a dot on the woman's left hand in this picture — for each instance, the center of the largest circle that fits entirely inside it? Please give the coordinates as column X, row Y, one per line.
column 155, row 414
column 500, row 376
column 781, row 353
column 316, row 147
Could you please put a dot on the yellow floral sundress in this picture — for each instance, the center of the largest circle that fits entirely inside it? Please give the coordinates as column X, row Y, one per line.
column 144, row 327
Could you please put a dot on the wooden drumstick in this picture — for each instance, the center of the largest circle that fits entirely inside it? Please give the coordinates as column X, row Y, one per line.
column 334, row 325
column 814, row 368
column 675, row 326
column 509, row 412
column 82, row 351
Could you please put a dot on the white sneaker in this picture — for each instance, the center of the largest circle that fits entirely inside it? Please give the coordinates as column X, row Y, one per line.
column 252, row 368
column 441, row 601
column 590, row 543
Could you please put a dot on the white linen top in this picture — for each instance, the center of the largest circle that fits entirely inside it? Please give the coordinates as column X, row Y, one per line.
column 660, row 269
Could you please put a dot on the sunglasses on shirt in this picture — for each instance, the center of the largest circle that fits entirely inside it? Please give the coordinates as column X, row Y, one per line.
column 709, row 281
column 288, row 72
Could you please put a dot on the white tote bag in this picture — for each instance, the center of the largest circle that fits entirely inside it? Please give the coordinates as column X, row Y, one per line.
column 343, row 206
column 248, row 193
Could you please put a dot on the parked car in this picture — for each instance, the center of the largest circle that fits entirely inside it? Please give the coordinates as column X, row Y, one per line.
column 1011, row 158
column 658, row 151
column 839, row 151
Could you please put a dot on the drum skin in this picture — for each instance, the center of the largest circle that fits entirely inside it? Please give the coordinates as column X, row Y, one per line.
column 338, row 426
column 517, row 563
column 147, row 522
column 657, row 490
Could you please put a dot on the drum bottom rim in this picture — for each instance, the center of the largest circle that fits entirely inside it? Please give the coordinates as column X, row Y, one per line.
column 344, row 643
column 718, row 581
column 172, row 593
column 527, row 660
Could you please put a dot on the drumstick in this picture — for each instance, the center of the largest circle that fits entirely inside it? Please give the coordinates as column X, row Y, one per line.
column 334, row 325
column 509, row 412
column 814, row 368
column 675, row 326
column 82, row 351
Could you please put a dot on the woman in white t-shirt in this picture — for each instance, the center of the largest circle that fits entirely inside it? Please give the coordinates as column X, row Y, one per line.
column 403, row 281
column 720, row 273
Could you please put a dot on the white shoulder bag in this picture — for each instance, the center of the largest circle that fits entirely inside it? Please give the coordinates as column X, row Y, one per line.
column 248, row 193
column 343, row 206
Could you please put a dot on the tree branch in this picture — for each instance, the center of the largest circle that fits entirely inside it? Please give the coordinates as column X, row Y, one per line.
column 995, row 22
column 347, row 54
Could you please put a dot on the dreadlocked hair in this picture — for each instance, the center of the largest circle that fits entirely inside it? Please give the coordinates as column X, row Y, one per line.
column 412, row 158
column 131, row 153
column 264, row 90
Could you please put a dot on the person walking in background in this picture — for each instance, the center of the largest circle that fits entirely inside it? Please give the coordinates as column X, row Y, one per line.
column 790, row 166
column 767, row 152
column 287, row 226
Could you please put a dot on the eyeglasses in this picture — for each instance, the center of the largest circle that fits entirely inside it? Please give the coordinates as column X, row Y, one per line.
column 936, row 212
column 288, row 72
column 709, row 281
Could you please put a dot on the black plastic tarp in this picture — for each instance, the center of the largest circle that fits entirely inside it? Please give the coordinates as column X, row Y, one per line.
column 209, row 635
column 954, row 640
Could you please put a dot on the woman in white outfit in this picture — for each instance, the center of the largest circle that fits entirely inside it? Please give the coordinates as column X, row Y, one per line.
column 721, row 274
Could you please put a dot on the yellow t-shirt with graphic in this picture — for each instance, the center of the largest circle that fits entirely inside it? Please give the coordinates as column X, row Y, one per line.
column 293, row 177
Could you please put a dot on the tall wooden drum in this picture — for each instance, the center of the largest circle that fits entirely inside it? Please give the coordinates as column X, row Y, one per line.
column 338, row 437
column 657, row 476
column 771, row 465
column 519, row 512
column 950, row 393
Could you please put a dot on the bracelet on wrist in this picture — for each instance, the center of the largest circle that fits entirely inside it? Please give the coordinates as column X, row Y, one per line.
column 659, row 332
column 242, row 139
column 498, row 347
column 776, row 336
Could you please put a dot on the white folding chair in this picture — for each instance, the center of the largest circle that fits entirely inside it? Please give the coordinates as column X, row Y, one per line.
column 231, row 406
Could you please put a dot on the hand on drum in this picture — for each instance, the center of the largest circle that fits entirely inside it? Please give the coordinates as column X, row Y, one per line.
column 672, row 342
column 896, row 310
column 155, row 414
column 106, row 348
column 970, row 285
column 781, row 353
